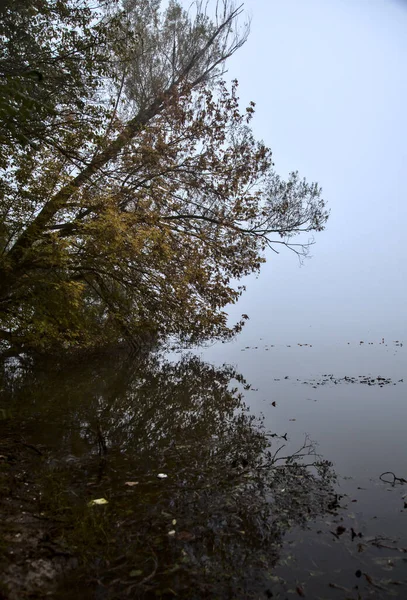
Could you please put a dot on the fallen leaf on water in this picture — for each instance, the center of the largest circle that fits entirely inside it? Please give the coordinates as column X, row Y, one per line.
column 338, row 587
column 185, row 536
column 131, row 483
column 354, row 534
column 98, row 501
column 300, row 591
column 170, row 571
column 372, row 583
column 135, row 573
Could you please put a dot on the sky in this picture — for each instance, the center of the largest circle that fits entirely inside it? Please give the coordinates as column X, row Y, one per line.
column 329, row 79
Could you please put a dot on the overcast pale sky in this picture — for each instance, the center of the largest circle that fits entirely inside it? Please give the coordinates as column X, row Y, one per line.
column 329, row 79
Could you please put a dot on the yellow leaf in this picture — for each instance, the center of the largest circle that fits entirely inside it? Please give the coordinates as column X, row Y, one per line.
column 98, row 501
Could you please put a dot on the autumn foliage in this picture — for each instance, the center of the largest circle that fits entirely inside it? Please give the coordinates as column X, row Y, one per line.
column 133, row 199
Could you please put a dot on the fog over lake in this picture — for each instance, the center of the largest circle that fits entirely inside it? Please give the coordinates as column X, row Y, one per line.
column 330, row 85
column 273, row 465
column 330, row 81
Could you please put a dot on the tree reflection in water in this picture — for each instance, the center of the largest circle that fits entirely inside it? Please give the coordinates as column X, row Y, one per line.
column 107, row 427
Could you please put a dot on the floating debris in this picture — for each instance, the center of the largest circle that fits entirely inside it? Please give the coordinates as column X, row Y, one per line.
column 98, row 501
column 136, row 573
column 187, row 536
column 364, row 379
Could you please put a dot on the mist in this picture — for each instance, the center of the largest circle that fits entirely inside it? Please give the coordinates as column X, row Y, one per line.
column 330, row 87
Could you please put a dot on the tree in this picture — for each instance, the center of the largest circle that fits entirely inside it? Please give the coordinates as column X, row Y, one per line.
column 137, row 195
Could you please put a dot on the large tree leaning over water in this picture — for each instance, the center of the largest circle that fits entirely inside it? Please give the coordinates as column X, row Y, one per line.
column 133, row 194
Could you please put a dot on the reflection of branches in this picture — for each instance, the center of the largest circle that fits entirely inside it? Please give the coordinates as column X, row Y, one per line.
column 227, row 489
column 130, row 586
column 307, row 449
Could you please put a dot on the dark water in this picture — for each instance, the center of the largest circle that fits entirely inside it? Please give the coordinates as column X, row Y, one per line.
column 350, row 397
column 220, row 480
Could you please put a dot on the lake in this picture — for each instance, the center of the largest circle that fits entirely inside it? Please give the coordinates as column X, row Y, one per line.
column 350, row 398
column 252, row 469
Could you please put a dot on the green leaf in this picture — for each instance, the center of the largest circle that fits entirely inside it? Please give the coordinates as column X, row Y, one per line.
column 136, row 573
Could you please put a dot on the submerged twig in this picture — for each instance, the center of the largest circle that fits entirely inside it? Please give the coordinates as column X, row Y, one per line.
column 30, row 446
column 393, row 483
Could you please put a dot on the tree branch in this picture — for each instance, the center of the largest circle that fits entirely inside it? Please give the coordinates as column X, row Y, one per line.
column 35, row 229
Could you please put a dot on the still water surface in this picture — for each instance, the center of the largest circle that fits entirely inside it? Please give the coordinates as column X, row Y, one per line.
column 362, row 428
column 186, row 449
column 350, row 398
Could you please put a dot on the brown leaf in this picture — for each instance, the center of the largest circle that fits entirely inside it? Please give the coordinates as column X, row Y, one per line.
column 185, row 536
